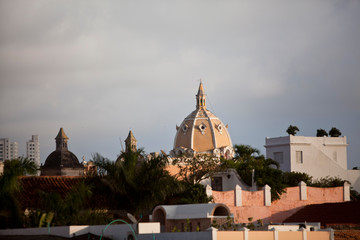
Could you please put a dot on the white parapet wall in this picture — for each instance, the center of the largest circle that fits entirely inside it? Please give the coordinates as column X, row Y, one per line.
column 116, row 231
column 149, row 227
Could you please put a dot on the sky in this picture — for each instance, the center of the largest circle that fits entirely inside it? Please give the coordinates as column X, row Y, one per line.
column 101, row 68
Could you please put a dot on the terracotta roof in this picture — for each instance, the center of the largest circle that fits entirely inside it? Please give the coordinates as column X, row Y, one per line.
column 32, row 185
column 328, row 213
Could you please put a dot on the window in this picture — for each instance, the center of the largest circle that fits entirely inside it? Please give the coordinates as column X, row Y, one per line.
column 279, row 157
column 335, row 156
column 216, row 183
column 299, row 156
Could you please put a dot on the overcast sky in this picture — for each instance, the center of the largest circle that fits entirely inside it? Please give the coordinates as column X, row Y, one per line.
column 101, row 68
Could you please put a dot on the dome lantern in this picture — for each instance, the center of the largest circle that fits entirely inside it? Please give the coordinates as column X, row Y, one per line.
column 201, row 132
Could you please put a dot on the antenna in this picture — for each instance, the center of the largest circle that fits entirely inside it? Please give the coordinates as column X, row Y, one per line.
column 122, row 147
column 132, row 218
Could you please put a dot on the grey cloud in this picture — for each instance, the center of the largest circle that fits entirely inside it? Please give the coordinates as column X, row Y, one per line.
column 101, row 68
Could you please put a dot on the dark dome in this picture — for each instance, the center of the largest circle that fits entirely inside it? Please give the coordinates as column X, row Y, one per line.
column 62, row 159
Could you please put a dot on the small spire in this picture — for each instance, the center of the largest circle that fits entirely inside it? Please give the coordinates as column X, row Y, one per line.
column 130, row 142
column 61, row 140
column 61, row 134
column 201, row 97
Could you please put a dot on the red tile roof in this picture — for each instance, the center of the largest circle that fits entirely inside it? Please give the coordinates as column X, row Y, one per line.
column 328, row 213
column 32, row 185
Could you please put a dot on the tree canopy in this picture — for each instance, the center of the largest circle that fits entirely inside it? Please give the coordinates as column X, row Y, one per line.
column 10, row 212
column 267, row 171
column 135, row 183
column 194, row 169
column 292, row 130
column 334, row 132
column 321, row 133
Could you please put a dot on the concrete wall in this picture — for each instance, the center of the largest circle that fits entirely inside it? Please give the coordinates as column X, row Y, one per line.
column 322, row 156
column 121, row 232
column 253, row 204
column 177, row 236
column 274, row 235
column 117, row 232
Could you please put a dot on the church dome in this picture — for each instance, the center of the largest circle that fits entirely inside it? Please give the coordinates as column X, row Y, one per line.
column 60, row 160
column 201, row 132
column 64, row 159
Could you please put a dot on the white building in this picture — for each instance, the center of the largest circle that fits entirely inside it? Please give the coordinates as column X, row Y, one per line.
column 14, row 150
column 33, row 149
column 316, row 156
column 8, row 150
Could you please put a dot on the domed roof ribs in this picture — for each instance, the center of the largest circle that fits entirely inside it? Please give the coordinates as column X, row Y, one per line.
column 201, row 97
column 193, row 130
column 212, row 129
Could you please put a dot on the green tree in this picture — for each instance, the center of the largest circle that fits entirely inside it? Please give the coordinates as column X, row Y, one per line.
column 292, row 179
column 137, row 183
column 194, row 169
column 267, row 171
column 321, row 133
column 246, row 152
column 10, row 209
column 328, row 182
column 193, row 193
column 292, row 130
column 334, row 132
column 71, row 209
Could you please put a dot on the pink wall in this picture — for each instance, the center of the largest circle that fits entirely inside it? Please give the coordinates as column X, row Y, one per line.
column 252, row 198
column 269, row 235
column 288, row 204
column 224, row 197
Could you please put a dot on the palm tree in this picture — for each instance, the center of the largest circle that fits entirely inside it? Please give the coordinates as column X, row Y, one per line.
column 245, row 151
column 137, row 183
column 267, row 170
column 10, row 209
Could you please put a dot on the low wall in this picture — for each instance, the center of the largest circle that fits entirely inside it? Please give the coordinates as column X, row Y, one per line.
column 120, row 232
column 178, row 236
column 253, row 203
column 274, row 235
column 117, row 232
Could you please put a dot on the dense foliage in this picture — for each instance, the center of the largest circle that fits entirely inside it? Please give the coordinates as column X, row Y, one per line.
column 321, row 133
column 10, row 209
column 137, row 184
column 292, row 130
column 194, row 169
column 334, row 132
column 266, row 171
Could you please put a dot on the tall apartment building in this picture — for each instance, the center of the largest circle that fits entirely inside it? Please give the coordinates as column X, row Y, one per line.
column 33, row 149
column 14, row 150
column 8, row 150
